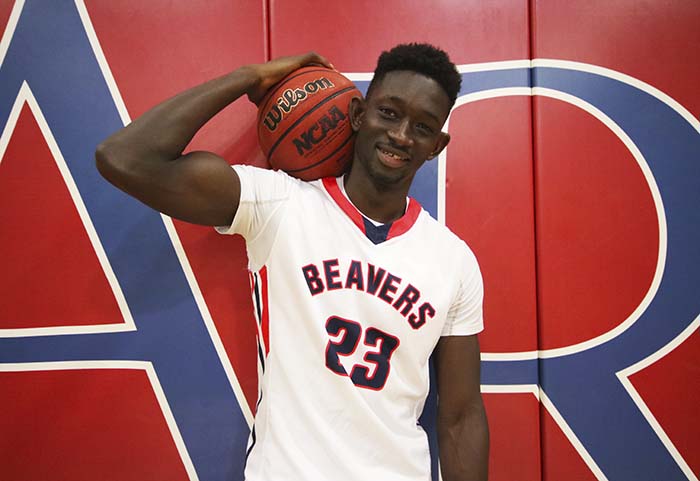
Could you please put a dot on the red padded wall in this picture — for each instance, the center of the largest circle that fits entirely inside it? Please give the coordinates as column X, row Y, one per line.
column 353, row 34
column 48, row 300
column 551, row 201
column 52, row 430
column 597, row 232
column 176, row 46
column 489, row 204
column 107, row 423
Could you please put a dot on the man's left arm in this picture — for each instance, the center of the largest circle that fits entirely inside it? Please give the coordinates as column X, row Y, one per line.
column 463, row 433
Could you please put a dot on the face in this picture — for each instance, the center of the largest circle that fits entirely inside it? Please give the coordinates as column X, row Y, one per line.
column 399, row 126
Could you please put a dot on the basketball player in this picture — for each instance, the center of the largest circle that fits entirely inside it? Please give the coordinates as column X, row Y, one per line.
column 363, row 285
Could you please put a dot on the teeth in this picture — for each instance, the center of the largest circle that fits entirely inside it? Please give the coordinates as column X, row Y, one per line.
column 391, row 154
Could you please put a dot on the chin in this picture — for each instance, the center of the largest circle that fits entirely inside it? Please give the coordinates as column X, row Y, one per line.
column 381, row 175
column 385, row 176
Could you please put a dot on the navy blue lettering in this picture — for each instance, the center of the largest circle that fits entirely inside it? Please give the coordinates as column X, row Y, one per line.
column 343, row 346
column 378, row 282
column 332, row 274
column 409, row 297
column 424, row 311
column 313, row 279
column 387, row 345
column 390, row 286
column 374, row 279
column 355, row 276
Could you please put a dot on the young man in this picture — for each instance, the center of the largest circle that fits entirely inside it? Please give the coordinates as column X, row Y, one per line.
column 363, row 284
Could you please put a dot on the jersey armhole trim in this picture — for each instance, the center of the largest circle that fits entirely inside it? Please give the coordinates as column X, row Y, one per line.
column 280, row 205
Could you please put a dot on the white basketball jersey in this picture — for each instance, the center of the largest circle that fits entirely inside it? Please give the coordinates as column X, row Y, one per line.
column 349, row 315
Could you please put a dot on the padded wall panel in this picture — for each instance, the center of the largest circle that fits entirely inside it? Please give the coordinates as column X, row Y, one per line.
column 5, row 10
column 79, row 424
column 616, row 207
column 654, row 42
column 150, row 367
column 353, row 34
column 75, row 290
column 489, row 205
column 514, row 432
column 156, row 50
column 671, row 390
column 618, row 407
column 597, row 227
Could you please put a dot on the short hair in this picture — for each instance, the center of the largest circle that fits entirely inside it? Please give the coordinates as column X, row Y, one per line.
column 424, row 59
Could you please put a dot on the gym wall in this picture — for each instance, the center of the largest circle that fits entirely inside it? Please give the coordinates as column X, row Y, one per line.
column 127, row 340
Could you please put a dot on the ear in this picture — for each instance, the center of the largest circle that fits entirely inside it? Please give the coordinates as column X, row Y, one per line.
column 357, row 110
column 442, row 141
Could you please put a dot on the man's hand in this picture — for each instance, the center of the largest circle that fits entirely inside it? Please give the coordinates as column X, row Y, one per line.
column 265, row 75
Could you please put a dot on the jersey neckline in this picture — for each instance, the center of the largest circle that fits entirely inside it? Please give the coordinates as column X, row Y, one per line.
column 376, row 234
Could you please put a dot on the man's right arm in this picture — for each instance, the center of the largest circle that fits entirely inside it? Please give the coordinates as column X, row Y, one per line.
column 145, row 158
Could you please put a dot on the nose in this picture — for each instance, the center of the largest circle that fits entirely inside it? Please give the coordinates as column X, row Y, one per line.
column 400, row 134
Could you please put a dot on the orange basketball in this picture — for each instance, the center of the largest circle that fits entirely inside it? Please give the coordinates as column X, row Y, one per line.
column 303, row 123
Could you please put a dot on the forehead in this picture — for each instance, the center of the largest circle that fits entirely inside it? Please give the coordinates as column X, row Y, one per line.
column 413, row 90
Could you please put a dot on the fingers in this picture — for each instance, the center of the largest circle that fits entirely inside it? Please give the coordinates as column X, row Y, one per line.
column 309, row 58
column 313, row 57
column 294, row 62
column 273, row 71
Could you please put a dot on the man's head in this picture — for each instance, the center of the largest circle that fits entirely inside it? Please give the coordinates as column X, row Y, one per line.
column 421, row 58
column 399, row 123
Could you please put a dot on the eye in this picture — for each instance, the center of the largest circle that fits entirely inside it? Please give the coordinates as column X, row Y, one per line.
column 387, row 112
column 423, row 128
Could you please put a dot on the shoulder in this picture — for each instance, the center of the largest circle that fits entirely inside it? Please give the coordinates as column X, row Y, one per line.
column 442, row 236
column 252, row 174
column 260, row 184
column 450, row 251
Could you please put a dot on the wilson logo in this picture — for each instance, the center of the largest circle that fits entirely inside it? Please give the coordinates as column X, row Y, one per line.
column 290, row 98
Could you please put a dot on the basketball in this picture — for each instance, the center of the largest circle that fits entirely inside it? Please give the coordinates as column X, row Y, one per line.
column 303, row 124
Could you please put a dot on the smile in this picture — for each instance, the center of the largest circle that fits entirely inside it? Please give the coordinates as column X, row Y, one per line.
column 392, row 159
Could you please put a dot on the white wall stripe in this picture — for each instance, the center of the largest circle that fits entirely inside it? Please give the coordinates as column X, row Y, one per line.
column 463, row 68
column 491, row 66
column 102, row 62
column 10, row 29
column 511, row 389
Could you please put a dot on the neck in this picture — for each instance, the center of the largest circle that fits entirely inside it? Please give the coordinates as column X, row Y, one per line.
column 378, row 201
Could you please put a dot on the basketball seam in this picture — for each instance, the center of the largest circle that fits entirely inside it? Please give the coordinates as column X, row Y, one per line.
column 330, row 97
